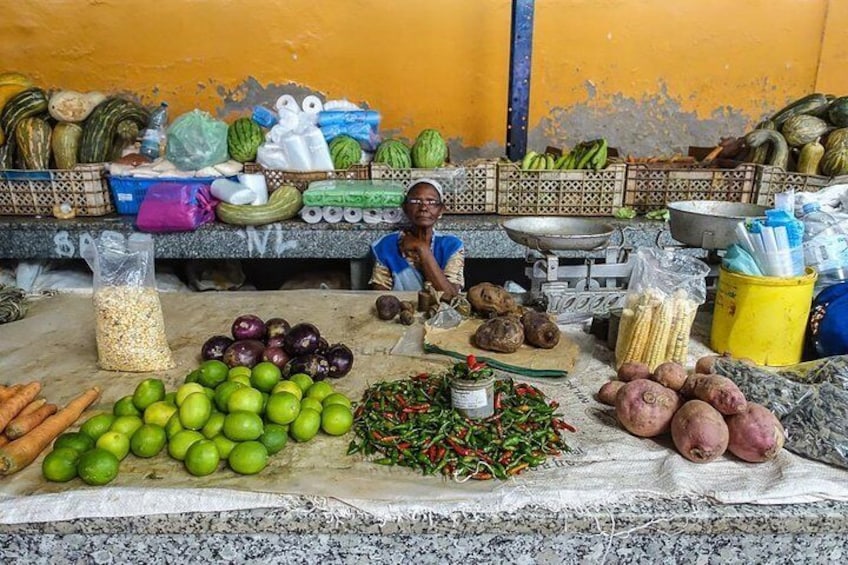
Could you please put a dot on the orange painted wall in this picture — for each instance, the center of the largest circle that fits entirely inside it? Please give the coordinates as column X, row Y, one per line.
column 651, row 75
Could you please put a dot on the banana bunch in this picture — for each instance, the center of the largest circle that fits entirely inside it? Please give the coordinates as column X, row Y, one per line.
column 586, row 155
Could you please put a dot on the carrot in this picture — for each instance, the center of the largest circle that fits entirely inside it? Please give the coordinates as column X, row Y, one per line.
column 23, row 423
column 23, row 451
column 32, row 406
column 9, row 392
column 18, row 402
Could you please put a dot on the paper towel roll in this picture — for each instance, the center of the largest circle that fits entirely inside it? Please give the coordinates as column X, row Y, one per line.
column 311, row 214
column 312, row 104
column 392, row 215
column 353, row 215
column 286, row 101
column 372, row 215
column 332, row 214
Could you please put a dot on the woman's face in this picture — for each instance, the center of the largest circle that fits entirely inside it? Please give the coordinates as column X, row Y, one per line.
column 423, row 205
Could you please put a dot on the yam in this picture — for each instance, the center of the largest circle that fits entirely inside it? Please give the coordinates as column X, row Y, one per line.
column 632, row 370
column 699, row 432
column 540, row 330
column 490, row 299
column 670, row 374
column 645, row 408
column 720, row 392
column 608, row 391
column 756, row 435
column 388, row 306
column 504, row 334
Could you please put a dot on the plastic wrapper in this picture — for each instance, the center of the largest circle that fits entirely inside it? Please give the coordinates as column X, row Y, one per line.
column 663, row 296
column 197, row 140
column 129, row 326
column 354, row 194
column 361, row 125
column 173, row 207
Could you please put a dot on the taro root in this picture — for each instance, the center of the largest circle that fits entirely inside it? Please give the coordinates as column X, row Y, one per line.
column 388, row 307
column 487, row 298
column 407, row 305
column 504, row 334
column 539, row 330
column 407, row 317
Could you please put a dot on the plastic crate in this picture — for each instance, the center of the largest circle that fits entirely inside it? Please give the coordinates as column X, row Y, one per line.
column 469, row 188
column 128, row 192
column 35, row 193
column 651, row 186
column 275, row 178
column 774, row 180
column 560, row 192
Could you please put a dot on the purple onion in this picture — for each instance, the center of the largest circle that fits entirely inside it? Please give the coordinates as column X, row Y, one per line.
column 340, row 358
column 248, row 327
column 244, row 353
column 302, row 339
column 314, row 365
column 276, row 327
column 214, row 347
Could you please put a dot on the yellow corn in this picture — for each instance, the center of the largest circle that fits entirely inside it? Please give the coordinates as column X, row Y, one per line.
column 625, row 333
column 681, row 341
column 641, row 329
column 659, row 336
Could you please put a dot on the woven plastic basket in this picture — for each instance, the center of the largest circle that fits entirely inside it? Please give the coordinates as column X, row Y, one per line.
column 35, row 193
column 774, row 180
column 129, row 192
column 275, row 178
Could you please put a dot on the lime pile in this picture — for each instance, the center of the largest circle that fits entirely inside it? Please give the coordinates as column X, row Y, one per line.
column 238, row 415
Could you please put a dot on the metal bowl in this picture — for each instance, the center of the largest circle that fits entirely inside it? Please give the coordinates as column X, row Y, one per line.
column 709, row 224
column 558, row 233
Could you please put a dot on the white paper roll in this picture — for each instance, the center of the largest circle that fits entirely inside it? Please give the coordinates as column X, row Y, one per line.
column 372, row 215
column 311, row 214
column 312, row 104
column 392, row 215
column 353, row 215
column 286, row 101
column 332, row 214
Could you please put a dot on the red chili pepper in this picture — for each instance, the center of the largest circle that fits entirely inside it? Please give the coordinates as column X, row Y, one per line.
column 454, row 443
column 473, row 364
column 471, row 360
column 400, row 400
column 554, row 404
column 497, row 401
column 481, row 476
column 484, row 457
column 420, row 377
column 517, row 469
column 403, row 445
column 462, row 433
column 359, row 410
column 417, row 408
column 376, row 435
column 505, row 458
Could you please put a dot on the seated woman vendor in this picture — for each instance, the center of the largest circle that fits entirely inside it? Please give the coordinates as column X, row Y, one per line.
column 405, row 260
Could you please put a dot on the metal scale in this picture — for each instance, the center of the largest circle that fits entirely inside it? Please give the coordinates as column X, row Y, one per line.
column 600, row 282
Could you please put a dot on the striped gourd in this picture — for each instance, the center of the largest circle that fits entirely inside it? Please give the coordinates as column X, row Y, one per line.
column 66, row 139
column 99, row 129
column 30, row 102
column 33, row 138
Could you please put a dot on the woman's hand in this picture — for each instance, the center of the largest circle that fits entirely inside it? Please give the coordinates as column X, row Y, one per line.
column 413, row 247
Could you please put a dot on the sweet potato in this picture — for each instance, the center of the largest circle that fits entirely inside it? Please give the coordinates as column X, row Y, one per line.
column 720, row 392
column 645, row 408
column 699, row 432
column 706, row 364
column 631, row 371
column 489, row 299
column 540, row 330
column 504, row 334
column 608, row 390
column 670, row 374
column 756, row 435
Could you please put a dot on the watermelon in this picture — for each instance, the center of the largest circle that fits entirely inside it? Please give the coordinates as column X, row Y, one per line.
column 429, row 150
column 393, row 153
column 345, row 151
column 244, row 136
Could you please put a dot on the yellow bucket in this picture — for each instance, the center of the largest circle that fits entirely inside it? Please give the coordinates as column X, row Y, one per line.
column 762, row 318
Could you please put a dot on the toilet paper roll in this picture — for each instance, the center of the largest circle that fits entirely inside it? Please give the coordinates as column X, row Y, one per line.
column 372, row 215
column 287, row 102
column 332, row 214
column 392, row 215
column 312, row 104
column 311, row 214
column 353, row 215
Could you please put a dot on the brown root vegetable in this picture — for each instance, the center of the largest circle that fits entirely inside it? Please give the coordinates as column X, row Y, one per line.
column 720, row 392
column 407, row 317
column 388, row 307
column 705, row 364
column 540, row 330
column 504, row 334
column 407, row 305
column 487, row 298
column 632, row 371
column 608, row 391
column 699, row 432
column 756, row 435
column 645, row 408
column 670, row 374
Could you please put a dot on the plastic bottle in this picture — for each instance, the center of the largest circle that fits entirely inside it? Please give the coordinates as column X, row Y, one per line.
column 825, row 245
column 154, row 134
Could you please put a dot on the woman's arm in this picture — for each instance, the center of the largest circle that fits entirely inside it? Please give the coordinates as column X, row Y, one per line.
column 381, row 277
column 432, row 272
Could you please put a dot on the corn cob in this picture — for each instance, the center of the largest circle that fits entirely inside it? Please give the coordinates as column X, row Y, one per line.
column 641, row 329
column 625, row 333
column 659, row 337
column 681, row 341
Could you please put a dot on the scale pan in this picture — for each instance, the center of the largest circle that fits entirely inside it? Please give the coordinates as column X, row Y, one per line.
column 545, row 233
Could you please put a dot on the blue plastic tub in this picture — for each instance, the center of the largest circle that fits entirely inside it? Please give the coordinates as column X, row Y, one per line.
column 129, row 192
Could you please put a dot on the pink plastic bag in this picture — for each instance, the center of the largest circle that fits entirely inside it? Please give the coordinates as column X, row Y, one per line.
column 175, row 207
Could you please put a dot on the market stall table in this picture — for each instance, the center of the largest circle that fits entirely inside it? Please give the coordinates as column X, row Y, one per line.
column 613, row 498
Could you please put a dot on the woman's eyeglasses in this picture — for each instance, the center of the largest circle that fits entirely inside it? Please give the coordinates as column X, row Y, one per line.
column 428, row 202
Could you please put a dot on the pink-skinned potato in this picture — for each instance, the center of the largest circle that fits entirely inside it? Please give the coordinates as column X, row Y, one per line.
column 608, row 392
column 670, row 374
column 699, row 432
column 720, row 392
column 632, row 371
column 645, row 408
column 755, row 435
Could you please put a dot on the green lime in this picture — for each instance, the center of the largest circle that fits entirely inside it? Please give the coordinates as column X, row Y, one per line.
column 97, row 466
column 148, row 440
column 184, row 390
column 126, row 425
column 239, row 371
column 60, row 465
column 171, row 398
column 97, row 425
column 282, row 408
column 116, row 443
column 245, row 399
column 336, row 419
column 223, row 392
column 336, row 398
column 288, row 386
column 213, row 425
column 241, row 379
column 274, row 438
column 213, row 373
column 224, row 444
column 193, row 376
column 125, row 407
column 159, row 413
column 202, row 458
column 248, row 458
column 242, row 425
column 75, row 440
column 147, row 392
column 195, row 411
column 265, row 376
column 209, row 392
column 178, row 445
column 302, row 380
column 306, row 425
column 173, row 426
column 311, row 403
column 319, row 391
